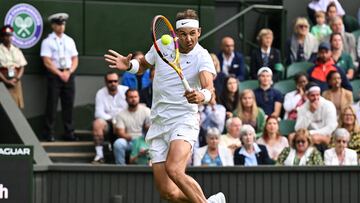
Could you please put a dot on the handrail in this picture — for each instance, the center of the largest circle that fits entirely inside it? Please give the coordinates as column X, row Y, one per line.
column 241, row 13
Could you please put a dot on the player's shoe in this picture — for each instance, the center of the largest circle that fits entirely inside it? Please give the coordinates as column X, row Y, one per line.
column 217, row 198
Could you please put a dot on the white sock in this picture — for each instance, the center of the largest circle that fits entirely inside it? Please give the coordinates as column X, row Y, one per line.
column 99, row 151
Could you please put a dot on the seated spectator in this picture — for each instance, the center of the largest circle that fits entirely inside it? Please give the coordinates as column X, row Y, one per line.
column 325, row 64
column 109, row 101
column 348, row 120
column 332, row 11
column 356, row 107
column 295, row 99
column 250, row 154
column 317, row 115
column 268, row 98
column 134, row 81
column 340, row 155
column 342, row 59
column 249, row 113
column 272, row 138
column 231, row 139
column 349, row 43
column 213, row 154
column 130, row 124
column 321, row 29
column 322, row 5
column 140, row 150
column 339, row 96
column 231, row 61
column 147, row 92
column 220, row 78
column 302, row 46
column 211, row 115
column 301, row 151
column 230, row 95
column 265, row 55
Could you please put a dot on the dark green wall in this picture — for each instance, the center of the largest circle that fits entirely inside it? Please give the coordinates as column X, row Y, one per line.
column 97, row 26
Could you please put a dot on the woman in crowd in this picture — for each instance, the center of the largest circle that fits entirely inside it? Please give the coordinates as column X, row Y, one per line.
column 249, row 113
column 348, row 120
column 265, row 55
column 230, row 95
column 340, row 155
column 250, row 154
column 338, row 95
column 272, row 138
column 213, row 154
column 301, row 152
column 302, row 45
column 295, row 99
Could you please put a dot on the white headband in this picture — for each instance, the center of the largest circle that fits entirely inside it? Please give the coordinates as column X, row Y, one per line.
column 313, row 89
column 187, row 23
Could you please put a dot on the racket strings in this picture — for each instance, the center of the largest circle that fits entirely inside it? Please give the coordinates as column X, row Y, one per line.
column 161, row 29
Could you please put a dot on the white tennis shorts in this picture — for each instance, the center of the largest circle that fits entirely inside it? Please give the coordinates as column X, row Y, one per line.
column 159, row 137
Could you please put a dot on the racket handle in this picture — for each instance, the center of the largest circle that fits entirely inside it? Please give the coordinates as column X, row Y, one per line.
column 186, row 85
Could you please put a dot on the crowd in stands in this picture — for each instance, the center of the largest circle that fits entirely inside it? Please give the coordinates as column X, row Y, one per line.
column 243, row 126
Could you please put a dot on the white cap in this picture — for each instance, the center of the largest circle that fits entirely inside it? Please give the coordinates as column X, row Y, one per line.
column 264, row 69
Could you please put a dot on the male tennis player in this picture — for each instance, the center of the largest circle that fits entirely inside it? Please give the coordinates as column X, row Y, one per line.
column 175, row 122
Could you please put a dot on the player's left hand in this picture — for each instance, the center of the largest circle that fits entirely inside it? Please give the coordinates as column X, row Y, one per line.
column 194, row 97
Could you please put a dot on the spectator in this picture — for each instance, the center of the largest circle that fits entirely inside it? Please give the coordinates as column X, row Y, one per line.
column 322, row 5
column 301, row 151
column 231, row 139
column 272, row 138
column 60, row 58
column 339, row 96
column 12, row 63
column 131, row 80
column 213, row 154
column 302, row 46
column 231, row 61
column 348, row 120
column 321, row 29
column 356, row 107
column 317, row 115
column 265, row 55
column 211, row 115
column 230, row 95
column 340, row 155
column 109, row 101
column 250, row 154
column 268, row 98
column 130, row 124
column 325, row 64
column 147, row 92
column 249, row 113
column 349, row 43
column 331, row 11
column 342, row 59
column 220, row 78
column 140, row 149
column 295, row 99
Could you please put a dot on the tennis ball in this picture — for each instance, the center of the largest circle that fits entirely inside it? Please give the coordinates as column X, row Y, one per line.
column 166, row 39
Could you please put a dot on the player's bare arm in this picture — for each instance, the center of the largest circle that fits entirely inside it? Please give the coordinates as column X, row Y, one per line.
column 120, row 62
column 206, row 81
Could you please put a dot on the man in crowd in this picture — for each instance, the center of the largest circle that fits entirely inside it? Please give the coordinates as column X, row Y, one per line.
column 232, row 138
column 109, row 101
column 60, row 57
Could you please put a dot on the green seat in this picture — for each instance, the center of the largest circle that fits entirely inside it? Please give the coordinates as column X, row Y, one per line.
column 356, row 89
column 285, row 86
column 298, row 67
column 287, row 127
column 351, row 24
column 356, row 35
column 247, row 71
column 248, row 84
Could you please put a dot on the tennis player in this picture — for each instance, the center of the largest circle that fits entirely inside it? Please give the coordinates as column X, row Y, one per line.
column 175, row 122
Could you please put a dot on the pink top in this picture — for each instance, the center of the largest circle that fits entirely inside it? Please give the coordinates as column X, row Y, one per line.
column 275, row 149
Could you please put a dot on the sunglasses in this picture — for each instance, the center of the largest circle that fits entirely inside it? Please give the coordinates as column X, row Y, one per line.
column 112, row 81
column 302, row 26
column 300, row 141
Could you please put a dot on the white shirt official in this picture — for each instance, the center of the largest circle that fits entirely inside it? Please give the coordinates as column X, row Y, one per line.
column 59, row 48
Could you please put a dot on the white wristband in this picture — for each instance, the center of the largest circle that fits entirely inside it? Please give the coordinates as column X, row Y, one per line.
column 134, row 66
column 207, row 95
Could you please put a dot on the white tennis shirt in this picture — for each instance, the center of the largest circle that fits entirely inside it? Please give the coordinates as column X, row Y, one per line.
column 169, row 105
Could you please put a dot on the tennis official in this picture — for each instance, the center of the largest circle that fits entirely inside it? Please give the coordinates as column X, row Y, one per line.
column 60, row 58
column 175, row 122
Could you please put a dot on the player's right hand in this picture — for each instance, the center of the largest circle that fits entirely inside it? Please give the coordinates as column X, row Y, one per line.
column 117, row 60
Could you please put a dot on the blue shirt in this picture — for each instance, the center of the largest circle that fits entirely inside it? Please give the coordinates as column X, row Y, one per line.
column 250, row 159
column 266, row 99
column 207, row 160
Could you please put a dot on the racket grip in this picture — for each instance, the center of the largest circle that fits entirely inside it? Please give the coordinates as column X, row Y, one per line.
column 186, row 85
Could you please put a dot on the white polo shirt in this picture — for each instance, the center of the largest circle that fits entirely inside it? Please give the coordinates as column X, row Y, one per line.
column 169, row 105
column 57, row 48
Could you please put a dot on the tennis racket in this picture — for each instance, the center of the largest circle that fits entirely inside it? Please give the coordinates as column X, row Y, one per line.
column 162, row 26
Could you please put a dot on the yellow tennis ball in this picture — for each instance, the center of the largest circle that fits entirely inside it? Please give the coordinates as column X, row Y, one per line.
column 166, row 39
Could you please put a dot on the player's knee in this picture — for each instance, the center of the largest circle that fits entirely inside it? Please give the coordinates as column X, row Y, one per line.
column 169, row 195
column 173, row 171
